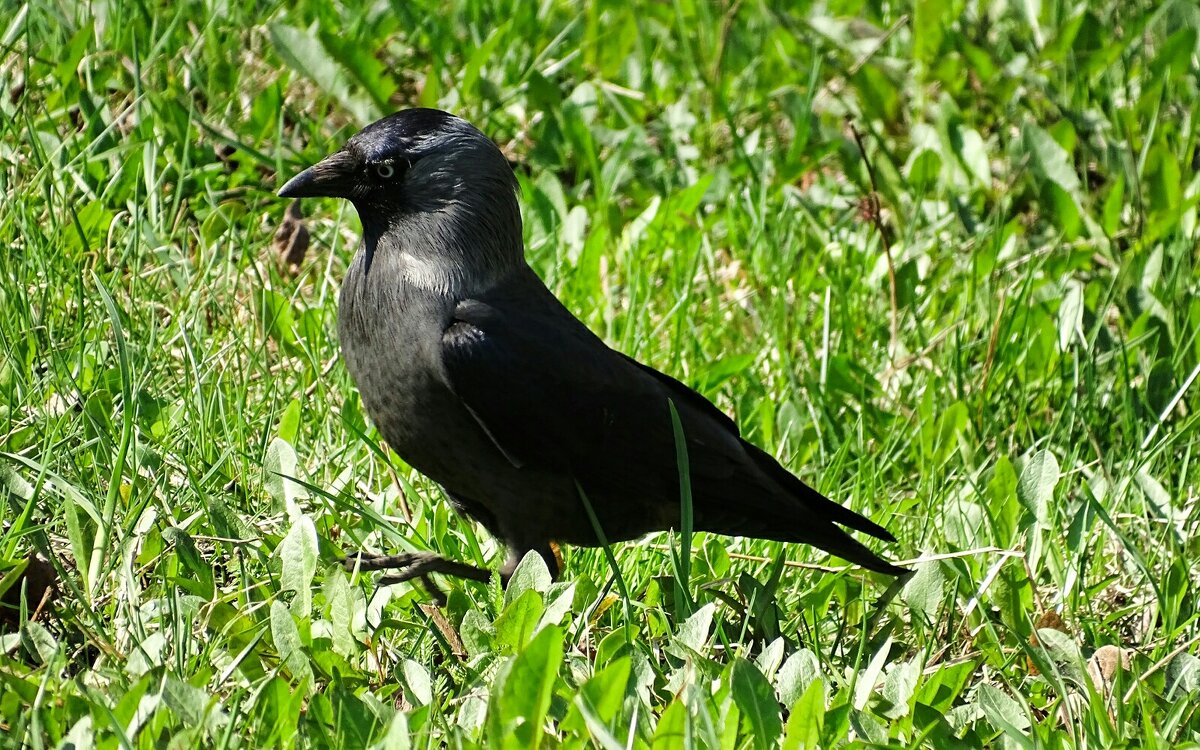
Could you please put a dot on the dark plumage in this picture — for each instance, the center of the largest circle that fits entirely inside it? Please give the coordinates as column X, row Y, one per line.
column 478, row 377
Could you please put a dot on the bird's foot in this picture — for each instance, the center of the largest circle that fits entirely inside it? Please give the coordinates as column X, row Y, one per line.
column 419, row 565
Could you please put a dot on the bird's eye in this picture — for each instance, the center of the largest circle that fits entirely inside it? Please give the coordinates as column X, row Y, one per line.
column 385, row 171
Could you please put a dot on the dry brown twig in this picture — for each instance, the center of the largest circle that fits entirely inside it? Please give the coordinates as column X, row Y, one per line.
column 873, row 209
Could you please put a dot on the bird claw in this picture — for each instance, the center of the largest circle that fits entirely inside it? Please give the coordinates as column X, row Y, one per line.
column 371, row 561
column 418, row 565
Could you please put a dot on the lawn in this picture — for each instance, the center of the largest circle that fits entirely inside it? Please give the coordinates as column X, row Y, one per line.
column 939, row 260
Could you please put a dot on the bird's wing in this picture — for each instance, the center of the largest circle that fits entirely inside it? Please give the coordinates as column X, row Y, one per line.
column 552, row 396
column 682, row 394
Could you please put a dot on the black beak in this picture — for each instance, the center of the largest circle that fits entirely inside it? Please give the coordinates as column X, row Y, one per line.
column 332, row 177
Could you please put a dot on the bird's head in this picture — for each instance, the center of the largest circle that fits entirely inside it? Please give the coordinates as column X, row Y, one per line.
column 429, row 186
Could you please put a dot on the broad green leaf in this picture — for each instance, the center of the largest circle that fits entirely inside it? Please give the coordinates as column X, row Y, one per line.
column 1152, row 270
column 616, row 644
column 963, row 520
column 1065, row 210
column 1003, row 505
column 281, row 708
column 929, row 24
column 477, row 633
column 598, row 703
column 279, row 468
column 796, row 676
column 286, row 636
column 807, row 719
column 1036, row 485
column 226, row 522
column 1183, row 676
column 924, row 162
column 418, row 682
column 194, row 706
column 196, row 574
column 341, row 603
column 972, row 153
column 1070, row 315
column 298, row 564
column 1160, row 500
column 38, row 641
column 771, row 658
column 531, row 574
column 684, row 202
column 558, row 600
column 482, row 55
column 1164, row 181
column 924, row 593
column 940, row 730
column 636, row 229
column 864, row 684
column 724, row 368
column 923, row 168
column 1175, row 53
column 521, row 695
column 1004, row 713
column 515, row 625
column 672, row 729
column 869, row 728
column 1063, row 651
column 397, row 735
column 355, row 722
column 756, row 700
column 1064, row 36
column 945, row 686
column 693, row 633
column 289, row 422
column 1058, row 182
column 952, row 426
column 898, row 687
column 362, row 66
column 1114, row 203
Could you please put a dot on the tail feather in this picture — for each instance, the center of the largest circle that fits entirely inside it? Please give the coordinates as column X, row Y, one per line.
column 799, row 529
column 812, row 499
column 776, row 505
column 837, row 542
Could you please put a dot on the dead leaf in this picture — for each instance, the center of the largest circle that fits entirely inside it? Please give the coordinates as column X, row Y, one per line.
column 1049, row 620
column 446, row 629
column 602, row 607
column 37, row 583
column 1102, row 669
column 291, row 239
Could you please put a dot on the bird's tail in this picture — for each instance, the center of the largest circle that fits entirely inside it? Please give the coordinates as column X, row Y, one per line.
column 816, row 516
column 837, row 542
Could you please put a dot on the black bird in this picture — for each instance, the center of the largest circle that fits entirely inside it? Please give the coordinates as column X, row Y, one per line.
column 478, row 377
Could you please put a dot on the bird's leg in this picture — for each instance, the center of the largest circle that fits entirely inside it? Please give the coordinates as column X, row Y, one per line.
column 410, row 565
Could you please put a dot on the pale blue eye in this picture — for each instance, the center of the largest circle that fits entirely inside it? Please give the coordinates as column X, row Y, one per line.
column 385, row 171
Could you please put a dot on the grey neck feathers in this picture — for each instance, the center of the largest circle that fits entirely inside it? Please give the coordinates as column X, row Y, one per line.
column 453, row 248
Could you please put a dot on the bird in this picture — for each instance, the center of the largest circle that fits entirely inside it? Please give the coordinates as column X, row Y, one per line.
column 478, row 377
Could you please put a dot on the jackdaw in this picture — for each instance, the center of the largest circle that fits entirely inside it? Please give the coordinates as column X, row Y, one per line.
column 479, row 378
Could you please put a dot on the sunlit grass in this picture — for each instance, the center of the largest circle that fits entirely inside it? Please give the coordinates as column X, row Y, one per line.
column 184, row 451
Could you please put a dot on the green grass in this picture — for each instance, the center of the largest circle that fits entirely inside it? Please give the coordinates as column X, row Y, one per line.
column 1016, row 402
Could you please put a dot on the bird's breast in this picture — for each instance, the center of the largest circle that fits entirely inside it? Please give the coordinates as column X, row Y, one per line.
column 391, row 341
